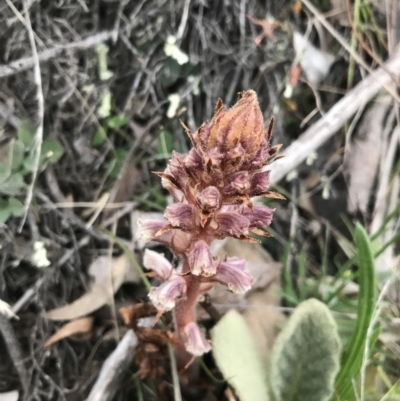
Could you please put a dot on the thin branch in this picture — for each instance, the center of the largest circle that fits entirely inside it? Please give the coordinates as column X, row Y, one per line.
column 25, row 63
column 175, row 375
column 182, row 25
column 334, row 119
column 114, row 369
column 9, row 117
column 14, row 350
column 40, row 115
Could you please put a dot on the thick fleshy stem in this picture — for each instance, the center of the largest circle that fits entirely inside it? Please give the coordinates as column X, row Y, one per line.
column 185, row 313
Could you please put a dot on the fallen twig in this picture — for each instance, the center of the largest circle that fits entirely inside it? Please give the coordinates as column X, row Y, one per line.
column 334, row 119
column 9, row 117
column 114, row 368
column 40, row 115
column 13, row 347
column 26, row 63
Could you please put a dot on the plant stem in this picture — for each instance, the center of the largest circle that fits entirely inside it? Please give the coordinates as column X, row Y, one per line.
column 185, row 312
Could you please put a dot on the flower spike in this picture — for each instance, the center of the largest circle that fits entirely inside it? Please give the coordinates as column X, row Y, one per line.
column 212, row 186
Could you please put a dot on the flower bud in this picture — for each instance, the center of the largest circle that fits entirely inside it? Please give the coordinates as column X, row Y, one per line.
column 158, row 263
column 242, row 124
column 195, row 343
column 209, row 199
column 259, row 183
column 176, row 193
column 234, row 274
column 200, row 260
column 164, row 297
column 176, row 169
column 239, row 183
column 193, row 160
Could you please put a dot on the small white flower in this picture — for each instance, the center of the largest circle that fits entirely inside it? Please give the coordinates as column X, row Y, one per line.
column 39, row 256
column 172, row 50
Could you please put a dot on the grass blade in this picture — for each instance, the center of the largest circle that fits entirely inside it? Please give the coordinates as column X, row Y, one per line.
column 352, row 360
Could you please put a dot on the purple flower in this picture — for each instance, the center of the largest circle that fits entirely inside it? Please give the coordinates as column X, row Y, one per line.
column 176, row 193
column 193, row 160
column 234, row 274
column 158, row 263
column 149, row 227
column 177, row 240
column 259, row 183
column 232, row 224
column 259, row 216
column 164, row 297
column 239, row 183
column 201, row 261
column 195, row 342
column 180, row 215
column 209, row 199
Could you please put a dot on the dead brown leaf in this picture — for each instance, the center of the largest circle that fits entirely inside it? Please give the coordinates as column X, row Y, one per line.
column 131, row 314
column 362, row 159
column 83, row 325
column 99, row 270
column 98, row 295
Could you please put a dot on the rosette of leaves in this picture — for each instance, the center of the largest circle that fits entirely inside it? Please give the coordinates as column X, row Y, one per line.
column 17, row 160
column 304, row 362
column 306, row 355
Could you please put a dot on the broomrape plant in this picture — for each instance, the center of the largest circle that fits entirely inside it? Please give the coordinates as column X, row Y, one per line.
column 212, row 186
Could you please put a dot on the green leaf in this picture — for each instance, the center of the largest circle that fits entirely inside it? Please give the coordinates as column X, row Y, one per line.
column 5, row 172
column 170, row 73
column 52, row 150
column 29, row 164
column 393, row 394
column 165, row 143
column 5, row 211
column 113, row 167
column 352, row 359
column 306, row 354
column 238, row 358
column 26, row 133
column 16, row 207
column 13, row 185
column 117, row 121
column 18, row 152
column 99, row 136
